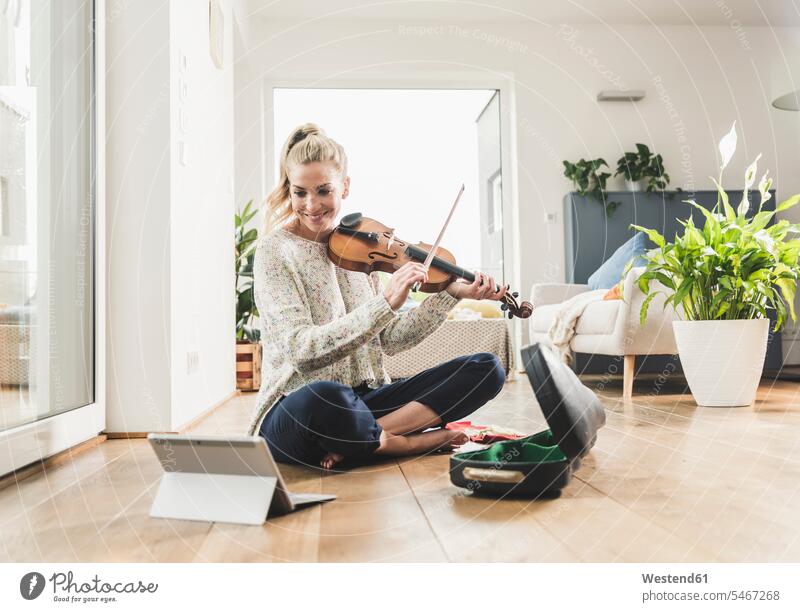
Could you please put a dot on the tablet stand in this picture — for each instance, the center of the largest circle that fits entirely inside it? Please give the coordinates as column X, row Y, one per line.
column 222, row 498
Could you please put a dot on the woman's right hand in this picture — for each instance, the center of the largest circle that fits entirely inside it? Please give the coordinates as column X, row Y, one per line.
column 396, row 292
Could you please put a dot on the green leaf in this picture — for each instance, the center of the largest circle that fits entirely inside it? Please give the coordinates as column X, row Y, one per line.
column 788, row 289
column 788, row 203
column 789, row 252
column 711, row 229
column 760, row 220
column 654, row 236
column 245, row 244
column 644, row 283
column 645, row 306
column 665, row 280
column 682, row 291
column 693, row 236
column 723, row 308
column 730, row 215
column 249, row 216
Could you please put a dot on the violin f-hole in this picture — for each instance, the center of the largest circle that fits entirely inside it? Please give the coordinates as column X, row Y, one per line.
column 376, row 254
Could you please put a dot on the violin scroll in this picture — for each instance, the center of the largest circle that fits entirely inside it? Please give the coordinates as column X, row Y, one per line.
column 514, row 309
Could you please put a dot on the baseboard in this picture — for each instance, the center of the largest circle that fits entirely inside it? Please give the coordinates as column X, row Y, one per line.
column 57, row 459
column 115, row 435
column 126, row 435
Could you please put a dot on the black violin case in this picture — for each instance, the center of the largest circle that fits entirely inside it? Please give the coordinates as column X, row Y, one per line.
column 541, row 464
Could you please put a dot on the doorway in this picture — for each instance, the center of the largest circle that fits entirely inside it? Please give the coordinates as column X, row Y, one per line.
column 408, row 151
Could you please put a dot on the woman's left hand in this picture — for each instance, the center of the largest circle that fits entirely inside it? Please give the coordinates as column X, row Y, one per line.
column 482, row 288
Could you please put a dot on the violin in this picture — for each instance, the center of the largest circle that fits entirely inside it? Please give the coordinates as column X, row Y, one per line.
column 362, row 244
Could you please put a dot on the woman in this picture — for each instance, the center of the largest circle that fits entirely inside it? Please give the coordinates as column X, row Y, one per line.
column 325, row 394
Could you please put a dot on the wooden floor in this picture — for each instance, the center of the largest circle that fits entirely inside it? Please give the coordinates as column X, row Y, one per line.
column 666, row 481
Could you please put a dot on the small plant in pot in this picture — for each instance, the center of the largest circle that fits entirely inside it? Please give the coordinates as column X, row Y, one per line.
column 245, row 244
column 248, row 348
column 722, row 279
column 589, row 180
column 642, row 169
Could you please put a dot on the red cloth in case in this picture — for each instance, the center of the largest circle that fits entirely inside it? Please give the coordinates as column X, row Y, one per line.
column 484, row 434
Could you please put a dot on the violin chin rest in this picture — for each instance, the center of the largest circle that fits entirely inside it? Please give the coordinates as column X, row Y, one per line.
column 351, row 220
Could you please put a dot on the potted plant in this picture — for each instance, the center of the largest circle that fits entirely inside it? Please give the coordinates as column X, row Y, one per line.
column 721, row 280
column 642, row 169
column 248, row 347
column 588, row 180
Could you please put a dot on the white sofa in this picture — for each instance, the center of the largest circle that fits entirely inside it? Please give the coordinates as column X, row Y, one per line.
column 609, row 327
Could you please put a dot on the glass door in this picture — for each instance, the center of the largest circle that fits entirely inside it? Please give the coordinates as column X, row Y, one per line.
column 48, row 221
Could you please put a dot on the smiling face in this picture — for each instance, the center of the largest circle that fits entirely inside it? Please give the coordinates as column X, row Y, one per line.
column 316, row 190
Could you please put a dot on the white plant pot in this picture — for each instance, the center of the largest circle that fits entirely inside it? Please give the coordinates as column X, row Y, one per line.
column 722, row 360
column 634, row 185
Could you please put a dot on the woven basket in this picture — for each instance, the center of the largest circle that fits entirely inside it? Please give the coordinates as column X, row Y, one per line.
column 248, row 366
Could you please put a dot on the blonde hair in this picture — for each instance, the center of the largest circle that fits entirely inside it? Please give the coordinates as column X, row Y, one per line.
column 306, row 144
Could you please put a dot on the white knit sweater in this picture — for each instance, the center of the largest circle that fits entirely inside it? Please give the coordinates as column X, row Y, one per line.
column 321, row 322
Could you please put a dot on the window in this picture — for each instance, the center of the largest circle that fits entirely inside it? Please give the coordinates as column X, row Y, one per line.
column 47, row 209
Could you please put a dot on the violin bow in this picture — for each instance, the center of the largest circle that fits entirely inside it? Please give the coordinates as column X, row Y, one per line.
column 431, row 253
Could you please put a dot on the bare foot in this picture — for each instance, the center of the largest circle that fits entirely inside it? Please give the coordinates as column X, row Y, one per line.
column 331, row 459
column 453, row 440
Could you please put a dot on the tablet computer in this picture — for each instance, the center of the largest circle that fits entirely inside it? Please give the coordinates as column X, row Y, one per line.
column 237, row 455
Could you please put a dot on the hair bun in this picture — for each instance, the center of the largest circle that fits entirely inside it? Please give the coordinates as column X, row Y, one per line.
column 303, row 131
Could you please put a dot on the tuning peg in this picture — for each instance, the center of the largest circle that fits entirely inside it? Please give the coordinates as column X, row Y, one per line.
column 510, row 315
column 504, row 306
column 515, row 294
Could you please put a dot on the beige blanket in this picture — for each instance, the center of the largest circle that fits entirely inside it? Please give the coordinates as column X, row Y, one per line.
column 563, row 326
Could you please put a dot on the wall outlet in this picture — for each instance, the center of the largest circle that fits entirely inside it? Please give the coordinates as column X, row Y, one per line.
column 192, row 362
column 182, row 153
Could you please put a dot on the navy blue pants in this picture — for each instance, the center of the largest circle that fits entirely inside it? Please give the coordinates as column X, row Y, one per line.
column 329, row 417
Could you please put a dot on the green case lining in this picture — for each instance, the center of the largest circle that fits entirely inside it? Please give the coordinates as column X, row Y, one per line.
column 539, row 448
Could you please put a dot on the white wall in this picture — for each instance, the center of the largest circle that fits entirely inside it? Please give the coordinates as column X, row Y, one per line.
column 201, row 214
column 138, row 220
column 697, row 79
column 170, row 227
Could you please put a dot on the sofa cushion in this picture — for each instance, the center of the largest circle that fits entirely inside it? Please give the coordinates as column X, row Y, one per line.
column 484, row 309
column 609, row 274
column 615, row 293
column 599, row 317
